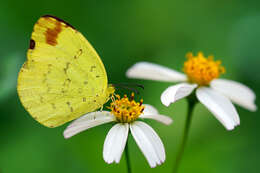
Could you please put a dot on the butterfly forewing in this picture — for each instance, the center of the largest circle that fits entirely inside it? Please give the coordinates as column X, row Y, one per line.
column 63, row 77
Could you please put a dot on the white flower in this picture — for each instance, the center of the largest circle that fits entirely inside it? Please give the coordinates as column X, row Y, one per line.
column 125, row 112
column 200, row 75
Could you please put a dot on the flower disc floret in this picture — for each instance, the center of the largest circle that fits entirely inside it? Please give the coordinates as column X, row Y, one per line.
column 126, row 110
column 202, row 70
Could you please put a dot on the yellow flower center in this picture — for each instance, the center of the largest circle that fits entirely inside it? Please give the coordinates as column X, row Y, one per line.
column 126, row 110
column 202, row 70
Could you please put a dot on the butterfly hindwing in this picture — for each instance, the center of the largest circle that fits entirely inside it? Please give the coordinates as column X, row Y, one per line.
column 63, row 77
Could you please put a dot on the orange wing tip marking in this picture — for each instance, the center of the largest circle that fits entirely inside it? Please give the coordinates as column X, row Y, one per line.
column 58, row 19
column 52, row 34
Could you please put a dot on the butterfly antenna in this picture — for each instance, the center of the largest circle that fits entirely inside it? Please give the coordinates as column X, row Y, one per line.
column 126, row 87
column 132, row 84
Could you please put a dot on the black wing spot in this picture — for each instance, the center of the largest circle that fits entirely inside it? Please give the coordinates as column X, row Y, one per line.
column 32, row 44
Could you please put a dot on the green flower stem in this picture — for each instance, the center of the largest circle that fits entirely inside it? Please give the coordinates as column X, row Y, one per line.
column 127, row 158
column 191, row 104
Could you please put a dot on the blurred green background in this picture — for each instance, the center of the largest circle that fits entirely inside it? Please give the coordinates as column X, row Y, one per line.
column 124, row 32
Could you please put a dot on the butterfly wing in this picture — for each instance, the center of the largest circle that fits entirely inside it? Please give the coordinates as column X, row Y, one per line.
column 63, row 77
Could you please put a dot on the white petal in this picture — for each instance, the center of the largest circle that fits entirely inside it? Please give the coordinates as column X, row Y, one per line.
column 115, row 143
column 146, row 70
column 151, row 112
column 160, row 118
column 220, row 106
column 149, row 143
column 88, row 121
column 176, row 92
column 236, row 92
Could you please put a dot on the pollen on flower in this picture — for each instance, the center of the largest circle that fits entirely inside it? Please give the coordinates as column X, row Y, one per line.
column 202, row 70
column 126, row 109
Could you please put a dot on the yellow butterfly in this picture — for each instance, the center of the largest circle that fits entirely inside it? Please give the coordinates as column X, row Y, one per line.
column 63, row 77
